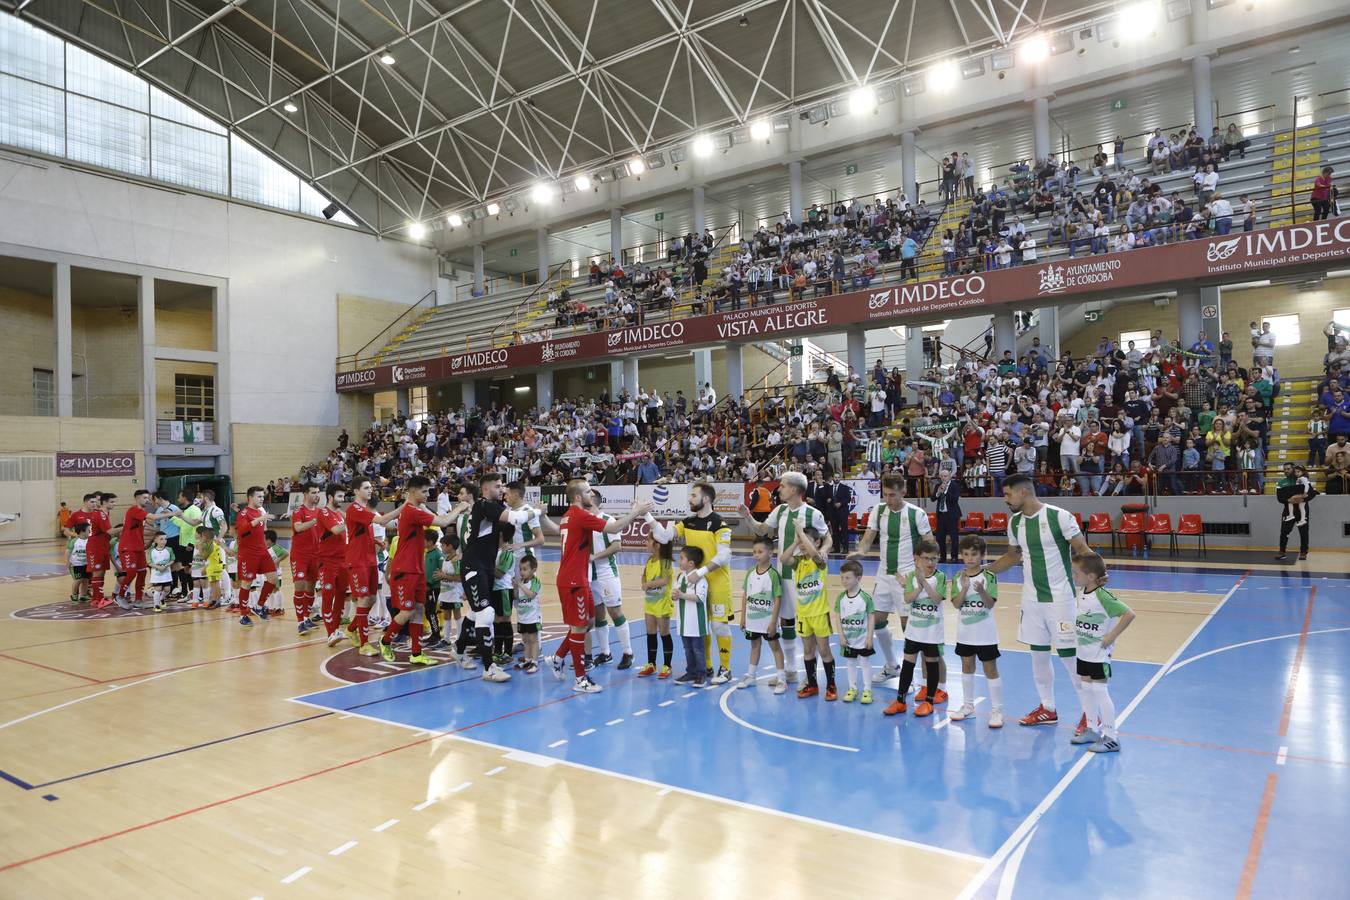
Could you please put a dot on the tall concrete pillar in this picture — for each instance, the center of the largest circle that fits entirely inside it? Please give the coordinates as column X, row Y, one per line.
column 479, row 281
column 543, row 388
column 909, row 179
column 914, row 367
column 1211, row 313
column 65, row 379
column 1005, row 334
column 735, row 371
column 857, row 351
column 702, row 370
column 615, row 379
column 630, row 374
column 468, row 394
column 1203, row 91
column 1049, row 329
column 799, row 367
column 1189, row 315
column 145, row 307
column 698, row 206
column 1040, row 126
column 402, row 401
column 541, row 244
column 796, row 197
column 616, row 234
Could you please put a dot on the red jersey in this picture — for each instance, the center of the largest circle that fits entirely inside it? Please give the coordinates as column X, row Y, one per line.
column 133, row 530
column 412, row 541
column 304, row 544
column 360, row 535
column 332, row 546
column 79, row 516
column 100, row 541
column 250, row 528
column 578, row 528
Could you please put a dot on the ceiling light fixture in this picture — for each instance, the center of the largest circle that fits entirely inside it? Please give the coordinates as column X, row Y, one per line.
column 583, row 182
column 703, row 145
column 387, row 58
column 637, row 165
column 455, row 220
column 862, row 101
column 493, row 209
column 760, row 130
column 944, row 76
column 744, row 21
column 1035, row 49
column 290, row 107
column 417, row 231
column 542, row 193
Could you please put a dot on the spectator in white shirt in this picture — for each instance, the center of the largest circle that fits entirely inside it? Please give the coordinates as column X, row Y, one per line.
column 1222, row 211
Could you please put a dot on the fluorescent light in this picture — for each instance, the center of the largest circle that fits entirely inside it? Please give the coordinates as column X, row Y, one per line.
column 583, row 182
column 542, row 193
column 944, row 75
column 290, row 107
column 417, row 231
column 493, row 209
column 1035, row 49
column 637, row 165
column 862, row 101
column 387, row 58
column 703, row 145
column 455, row 220
column 760, row 130
column 523, row 389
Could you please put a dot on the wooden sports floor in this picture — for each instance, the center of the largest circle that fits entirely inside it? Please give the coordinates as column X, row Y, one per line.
column 162, row 755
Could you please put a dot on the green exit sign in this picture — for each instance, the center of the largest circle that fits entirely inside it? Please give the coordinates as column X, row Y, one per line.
column 850, row 169
column 1092, row 315
column 1118, row 103
column 660, row 216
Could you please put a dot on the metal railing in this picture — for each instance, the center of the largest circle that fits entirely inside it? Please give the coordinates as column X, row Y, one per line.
column 384, row 336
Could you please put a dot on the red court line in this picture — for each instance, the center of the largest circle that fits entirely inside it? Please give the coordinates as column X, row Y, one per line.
column 1244, row 890
column 1205, row 745
column 1298, row 663
column 29, row 662
column 91, row 637
column 271, row 787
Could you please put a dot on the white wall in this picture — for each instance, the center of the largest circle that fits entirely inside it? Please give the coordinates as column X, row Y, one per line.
column 284, row 272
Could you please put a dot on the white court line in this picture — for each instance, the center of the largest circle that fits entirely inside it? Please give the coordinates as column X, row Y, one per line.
column 1278, row 637
column 689, row 694
column 424, row 804
column 461, row 786
column 725, row 704
column 1005, row 884
column 338, row 851
column 613, row 722
column 641, row 712
column 586, row 732
column 1281, row 756
column 666, row 703
column 947, row 721
column 727, row 801
column 557, row 743
column 496, row 771
column 297, row 874
column 664, row 791
column 388, row 823
column 1023, row 830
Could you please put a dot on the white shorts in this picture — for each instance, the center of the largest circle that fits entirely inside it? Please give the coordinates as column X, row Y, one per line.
column 788, row 608
column 608, row 591
column 1049, row 625
column 453, row 593
column 888, row 596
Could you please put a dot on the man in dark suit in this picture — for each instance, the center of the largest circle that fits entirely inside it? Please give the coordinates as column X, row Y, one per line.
column 821, row 495
column 841, row 501
column 947, row 497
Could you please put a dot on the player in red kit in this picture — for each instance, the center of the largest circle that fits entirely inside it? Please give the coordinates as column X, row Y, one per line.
column 578, row 527
column 84, row 515
column 254, row 559
column 304, row 556
column 332, row 560
column 407, row 577
column 99, row 548
column 131, row 549
column 362, row 568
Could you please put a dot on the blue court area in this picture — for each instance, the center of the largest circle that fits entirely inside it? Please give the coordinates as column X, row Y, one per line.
column 1207, row 788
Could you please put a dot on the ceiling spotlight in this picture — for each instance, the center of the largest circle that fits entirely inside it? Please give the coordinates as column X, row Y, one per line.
column 290, row 107
column 542, row 193
column 455, row 220
column 417, row 231
column 493, row 209
column 637, row 165
column 944, row 76
column 703, row 145
column 1139, row 19
column 744, row 21
column 1002, row 59
column 1035, row 49
column 583, row 182
column 387, row 58
column 863, row 100
column 760, row 130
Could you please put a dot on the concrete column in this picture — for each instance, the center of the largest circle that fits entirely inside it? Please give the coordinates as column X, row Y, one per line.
column 615, row 379
column 479, row 281
column 735, row 371
column 796, row 198
column 857, row 351
column 1049, row 329
column 630, row 374
column 468, row 394
column 1005, row 334
column 541, row 243
column 699, row 210
column 914, row 367
column 702, row 370
column 908, row 172
column 482, row 389
column 1188, row 314
column 1211, row 314
column 1040, row 126
column 1203, row 91
column 616, row 234
column 402, row 401
column 145, row 307
column 65, row 391
column 799, row 368
column 543, row 388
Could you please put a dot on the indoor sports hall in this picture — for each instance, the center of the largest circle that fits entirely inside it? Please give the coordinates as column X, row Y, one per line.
column 802, row 448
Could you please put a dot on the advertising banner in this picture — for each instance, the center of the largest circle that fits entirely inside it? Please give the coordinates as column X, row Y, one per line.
column 676, row 504
column 634, row 537
column 91, row 465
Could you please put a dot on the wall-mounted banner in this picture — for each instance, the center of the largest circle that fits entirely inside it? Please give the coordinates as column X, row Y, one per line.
column 91, row 465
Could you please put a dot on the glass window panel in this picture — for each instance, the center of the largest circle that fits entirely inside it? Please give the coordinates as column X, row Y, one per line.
column 312, row 201
column 107, row 135
column 30, row 52
column 1285, row 329
column 44, row 392
column 188, row 156
column 32, row 116
column 94, row 77
column 259, row 179
column 165, row 107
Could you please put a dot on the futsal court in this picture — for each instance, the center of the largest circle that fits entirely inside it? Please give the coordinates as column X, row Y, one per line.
column 258, row 759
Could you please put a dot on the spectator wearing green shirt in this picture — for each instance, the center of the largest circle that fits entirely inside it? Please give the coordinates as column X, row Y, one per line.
column 431, row 565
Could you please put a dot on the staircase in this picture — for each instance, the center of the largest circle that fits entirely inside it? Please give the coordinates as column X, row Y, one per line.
column 391, row 348
column 1296, row 162
column 929, row 263
column 1289, row 425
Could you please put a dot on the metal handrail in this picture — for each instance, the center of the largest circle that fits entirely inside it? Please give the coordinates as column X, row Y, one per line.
column 353, row 359
column 527, row 300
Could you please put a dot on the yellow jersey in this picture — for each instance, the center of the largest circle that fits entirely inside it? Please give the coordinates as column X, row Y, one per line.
column 812, row 588
column 657, row 602
column 708, row 534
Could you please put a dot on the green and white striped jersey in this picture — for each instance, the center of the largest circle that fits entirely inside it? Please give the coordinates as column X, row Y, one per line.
column 693, row 613
column 1098, row 612
column 789, row 522
column 608, row 567
column 976, row 625
column 1044, row 539
column 761, row 590
column 526, row 531
column 898, row 534
column 854, row 614
column 925, row 613
column 506, row 560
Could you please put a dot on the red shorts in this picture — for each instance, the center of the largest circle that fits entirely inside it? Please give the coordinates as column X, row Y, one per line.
column 578, row 606
column 365, row 580
column 131, row 561
column 99, row 562
column 251, row 565
column 333, row 574
column 304, row 569
column 409, row 591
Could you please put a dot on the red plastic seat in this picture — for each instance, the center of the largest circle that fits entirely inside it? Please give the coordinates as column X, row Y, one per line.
column 974, row 523
column 1191, row 525
column 1078, row 517
column 932, row 522
column 1160, row 525
column 997, row 524
column 1100, row 523
column 1132, row 525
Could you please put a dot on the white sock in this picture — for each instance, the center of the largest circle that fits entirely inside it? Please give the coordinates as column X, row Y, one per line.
column 625, row 639
column 1043, row 674
column 995, row 686
column 1090, row 705
column 853, row 673
column 790, row 655
column 1106, row 709
column 867, row 673
column 883, row 640
column 600, row 640
column 1079, row 685
column 968, row 689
